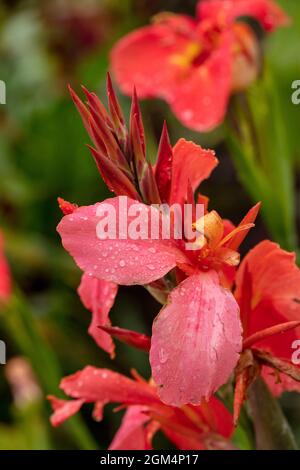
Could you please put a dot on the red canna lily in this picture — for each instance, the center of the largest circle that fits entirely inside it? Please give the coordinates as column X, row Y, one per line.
column 195, row 64
column 268, row 292
column 207, row 426
column 212, row 324
column 197, row 336
column 5, row 277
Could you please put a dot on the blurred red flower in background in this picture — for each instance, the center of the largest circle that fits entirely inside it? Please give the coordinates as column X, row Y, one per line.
column 196, row 64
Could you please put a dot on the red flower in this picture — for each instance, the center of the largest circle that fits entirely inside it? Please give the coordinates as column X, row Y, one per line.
column 268, row 292
column 197, row 336
column 195, row 64
column 5, row 278
column 207, row 426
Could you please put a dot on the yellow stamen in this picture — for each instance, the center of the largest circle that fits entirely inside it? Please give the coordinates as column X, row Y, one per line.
column 185, row 59
column 211, row 227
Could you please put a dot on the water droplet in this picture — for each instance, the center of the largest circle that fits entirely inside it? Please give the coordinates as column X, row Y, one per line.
column 122, row 263
column 162, row 356
column 151, row 267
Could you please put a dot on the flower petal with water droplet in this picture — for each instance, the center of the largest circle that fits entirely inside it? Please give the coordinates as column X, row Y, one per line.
column 196, row 340
column 125, row 261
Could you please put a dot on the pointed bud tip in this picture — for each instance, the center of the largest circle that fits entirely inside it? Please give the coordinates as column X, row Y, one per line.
column 65, row 206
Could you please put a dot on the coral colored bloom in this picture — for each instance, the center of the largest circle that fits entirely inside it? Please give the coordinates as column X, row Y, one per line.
column 268, row 292
column 195, row 64
column 205, row 318
column 204, row 322
column 5, row 277
column 207, row 426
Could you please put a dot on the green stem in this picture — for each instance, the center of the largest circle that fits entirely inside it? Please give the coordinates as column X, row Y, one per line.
column 272, row 430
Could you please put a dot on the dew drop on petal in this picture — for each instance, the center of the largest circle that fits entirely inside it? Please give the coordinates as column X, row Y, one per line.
column 162, row 356
column 151, row 267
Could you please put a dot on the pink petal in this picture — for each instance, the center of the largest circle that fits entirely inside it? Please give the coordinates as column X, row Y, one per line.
column 103, row 385
column 144, row 58
column 98, row 296
column 202, row 96
column 132, row 434
column 191, row 163
column 196, row 340
column 123, row 261
column 63, row 409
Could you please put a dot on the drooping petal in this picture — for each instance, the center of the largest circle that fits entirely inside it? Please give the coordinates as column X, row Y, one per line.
column 132, row 434
column 144, row 58
column 103, row 385
column 63, row 409
column 202, row 95
column 119, row 258
column 267, row 12
column 191, row 164
column 98, row 296
column 275, row 279
column 196, row 340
